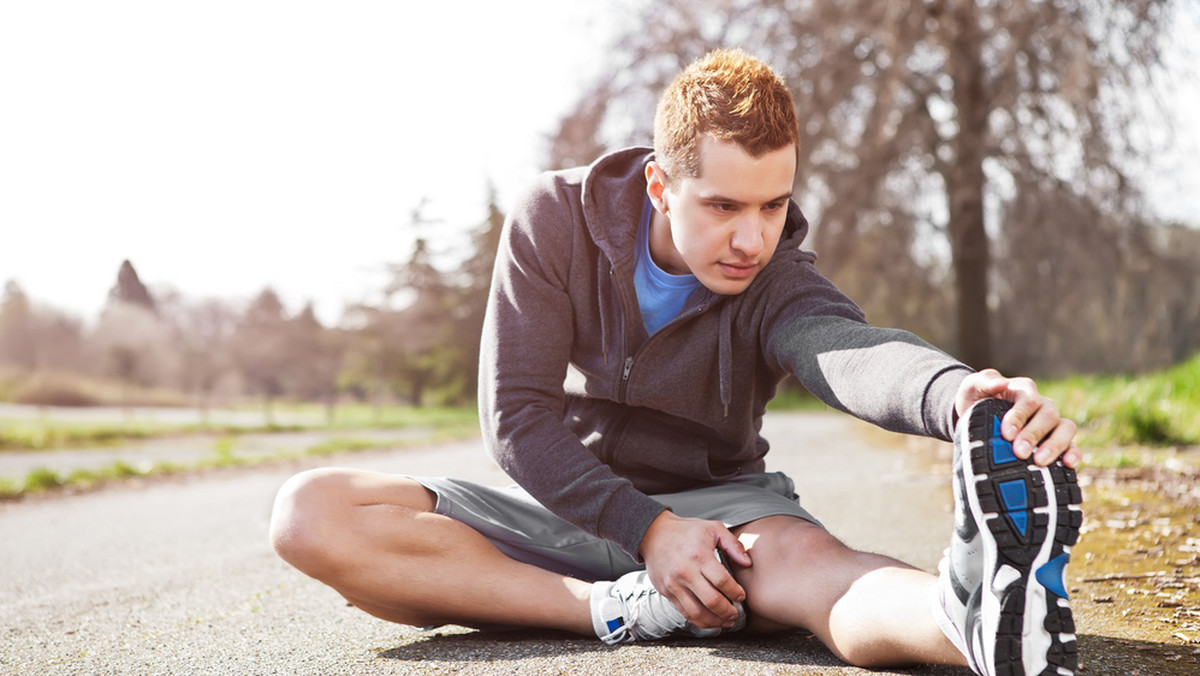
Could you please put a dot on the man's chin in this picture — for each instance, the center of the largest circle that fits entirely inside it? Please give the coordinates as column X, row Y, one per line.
column 722, row 285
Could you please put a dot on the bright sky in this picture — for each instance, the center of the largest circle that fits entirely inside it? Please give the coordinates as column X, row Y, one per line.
column 228, row 145
column 224, row 146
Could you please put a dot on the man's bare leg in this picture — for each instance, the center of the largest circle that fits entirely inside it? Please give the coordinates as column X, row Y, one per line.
column 870, row 610
column 376, row 540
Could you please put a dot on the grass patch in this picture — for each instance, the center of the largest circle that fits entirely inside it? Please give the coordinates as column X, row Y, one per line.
column 796, row 398
column 224, row 455
column 354, row 415
column 37, row 435
column 1159, row 409
column 43, row 478
column 45, row 433
column 1154, row 409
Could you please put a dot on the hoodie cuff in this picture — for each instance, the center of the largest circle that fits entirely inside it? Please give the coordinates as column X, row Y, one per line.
column 626, row 517
column 937, row 409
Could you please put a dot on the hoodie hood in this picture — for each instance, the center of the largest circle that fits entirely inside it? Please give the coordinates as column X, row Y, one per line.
column 615, row 187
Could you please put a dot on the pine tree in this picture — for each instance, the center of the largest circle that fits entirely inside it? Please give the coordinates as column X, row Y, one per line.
column 129, row 289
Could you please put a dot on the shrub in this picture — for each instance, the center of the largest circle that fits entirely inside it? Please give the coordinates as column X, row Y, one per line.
column 54, row 389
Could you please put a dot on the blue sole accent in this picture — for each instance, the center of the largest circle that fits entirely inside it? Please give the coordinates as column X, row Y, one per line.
column 1020, row 520
column 1002, row 450
column 1052, row 575
column 1016, row 500
column 1013, row 494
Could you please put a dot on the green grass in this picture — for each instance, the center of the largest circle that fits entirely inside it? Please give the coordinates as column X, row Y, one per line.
column 1159, row 409
column 42, row 434
column 1154, row 409
column 43, row 479
column 47, row 434
column 796, row 398
column 390, row 417
column 428, row 425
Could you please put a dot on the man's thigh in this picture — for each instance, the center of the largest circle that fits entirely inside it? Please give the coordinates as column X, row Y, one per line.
column 525, row 530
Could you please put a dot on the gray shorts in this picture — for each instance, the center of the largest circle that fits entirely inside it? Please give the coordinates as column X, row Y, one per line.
column 525, row 530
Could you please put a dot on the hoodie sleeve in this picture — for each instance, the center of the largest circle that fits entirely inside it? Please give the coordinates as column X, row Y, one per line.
column 526, row 345
column 888, row 377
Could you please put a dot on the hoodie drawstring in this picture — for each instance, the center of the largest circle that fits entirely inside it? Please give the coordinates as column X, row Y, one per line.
column 725, row 354
column 603, row 314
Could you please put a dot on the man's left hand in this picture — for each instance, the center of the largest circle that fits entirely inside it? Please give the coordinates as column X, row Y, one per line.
column 1033, row 424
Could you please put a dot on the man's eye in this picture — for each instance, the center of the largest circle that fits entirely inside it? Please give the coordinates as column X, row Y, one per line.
column 776, row 206
column 722, row 207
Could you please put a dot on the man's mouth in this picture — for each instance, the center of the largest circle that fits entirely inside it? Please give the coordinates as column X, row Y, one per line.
column 738, row 270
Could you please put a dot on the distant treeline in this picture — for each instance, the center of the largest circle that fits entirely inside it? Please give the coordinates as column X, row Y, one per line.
column 418, row 345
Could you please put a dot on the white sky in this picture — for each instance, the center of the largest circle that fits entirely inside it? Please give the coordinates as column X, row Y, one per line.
column 225, row 146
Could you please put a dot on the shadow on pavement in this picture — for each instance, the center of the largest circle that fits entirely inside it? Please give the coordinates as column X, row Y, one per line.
column 1108, row 655
column 1099, row 655
column 793, row 653
column 490, row 646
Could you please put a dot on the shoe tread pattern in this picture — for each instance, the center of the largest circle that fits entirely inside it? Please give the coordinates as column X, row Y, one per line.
column 1010, row 494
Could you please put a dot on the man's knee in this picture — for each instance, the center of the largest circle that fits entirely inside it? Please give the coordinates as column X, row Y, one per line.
column 790, row 542
column 303, row 507
column 319, row 513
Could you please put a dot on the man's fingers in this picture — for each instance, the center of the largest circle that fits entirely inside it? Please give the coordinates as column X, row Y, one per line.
column 700, row 606
column 1034, row 425
column 1058, row 443
column 734, row 550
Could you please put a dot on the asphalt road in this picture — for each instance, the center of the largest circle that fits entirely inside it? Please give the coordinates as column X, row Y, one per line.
column 176, row 576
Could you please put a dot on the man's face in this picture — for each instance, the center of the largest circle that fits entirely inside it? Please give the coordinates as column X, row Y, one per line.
column 723, row 226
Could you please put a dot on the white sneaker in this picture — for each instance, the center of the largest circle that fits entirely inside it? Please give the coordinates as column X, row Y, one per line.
column 1002, row 585
column 631, row 609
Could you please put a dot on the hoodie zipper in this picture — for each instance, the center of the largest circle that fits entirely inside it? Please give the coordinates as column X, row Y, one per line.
column 628, row 367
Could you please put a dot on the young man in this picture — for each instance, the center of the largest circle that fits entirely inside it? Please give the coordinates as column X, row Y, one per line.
column 643, row 311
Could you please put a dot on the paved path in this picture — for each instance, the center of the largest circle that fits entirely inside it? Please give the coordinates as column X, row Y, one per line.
column 176, row 576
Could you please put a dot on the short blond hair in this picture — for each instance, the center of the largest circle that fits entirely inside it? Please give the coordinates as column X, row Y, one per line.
column 729, row 95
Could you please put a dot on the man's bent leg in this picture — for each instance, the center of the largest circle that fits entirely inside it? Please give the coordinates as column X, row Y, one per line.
column 870, row 610
column 376, row 540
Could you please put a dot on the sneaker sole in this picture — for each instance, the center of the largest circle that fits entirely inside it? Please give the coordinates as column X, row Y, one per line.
column 1029, row 518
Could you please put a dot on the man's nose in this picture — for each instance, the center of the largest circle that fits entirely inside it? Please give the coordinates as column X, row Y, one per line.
column 747, row 235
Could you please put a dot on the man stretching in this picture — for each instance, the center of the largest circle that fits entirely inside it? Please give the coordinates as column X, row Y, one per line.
column 643, row 311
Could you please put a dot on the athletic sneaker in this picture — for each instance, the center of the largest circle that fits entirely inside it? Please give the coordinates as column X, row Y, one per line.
column 1002, row 585
column 631, row 609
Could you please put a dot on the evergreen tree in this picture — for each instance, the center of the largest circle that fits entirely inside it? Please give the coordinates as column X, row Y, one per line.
column 18, row 345
column 129, row 289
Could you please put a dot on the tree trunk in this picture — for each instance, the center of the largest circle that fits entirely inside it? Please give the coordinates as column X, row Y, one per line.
column 965, row 182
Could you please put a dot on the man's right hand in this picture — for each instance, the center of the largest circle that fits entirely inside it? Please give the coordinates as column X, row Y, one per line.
column 680, row 556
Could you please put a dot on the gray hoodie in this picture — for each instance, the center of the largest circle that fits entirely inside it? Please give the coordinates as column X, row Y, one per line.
column 591, row 416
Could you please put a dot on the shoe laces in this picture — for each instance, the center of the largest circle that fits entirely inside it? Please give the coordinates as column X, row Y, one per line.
column 649, row 615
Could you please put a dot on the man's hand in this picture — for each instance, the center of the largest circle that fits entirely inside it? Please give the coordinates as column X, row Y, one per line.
column 1033, row 424
column 680, row 556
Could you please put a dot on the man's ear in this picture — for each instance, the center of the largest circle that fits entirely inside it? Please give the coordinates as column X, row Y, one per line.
column 656, row 186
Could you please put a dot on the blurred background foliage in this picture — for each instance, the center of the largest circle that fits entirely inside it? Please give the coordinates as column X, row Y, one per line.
column 971, row 171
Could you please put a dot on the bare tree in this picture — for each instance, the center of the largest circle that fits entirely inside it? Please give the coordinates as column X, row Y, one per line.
column 34, row 337
column 259, row 348
column 134, row 346
column 202, row 333
column 315, row 356
column 924, row 116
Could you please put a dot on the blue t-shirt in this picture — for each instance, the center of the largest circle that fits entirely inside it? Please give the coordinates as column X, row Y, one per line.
column 660, row 294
